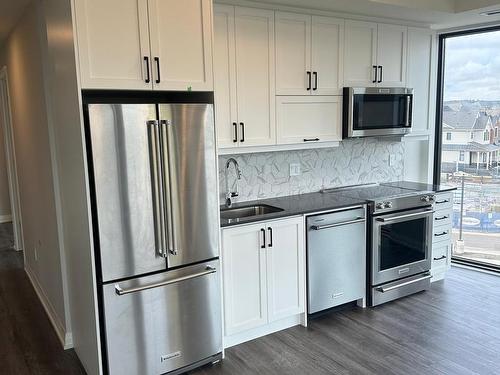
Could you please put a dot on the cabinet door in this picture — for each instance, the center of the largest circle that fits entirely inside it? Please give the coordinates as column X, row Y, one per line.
column 255, row 76
column 391, row 54
column 181, row 40
column 327, row 55
column 225, row 76
column 112, row 46
column 244, row 278
column 420, row 53
column 360, row 54
column 308, row 119
column 293, row 54
column 285, row 268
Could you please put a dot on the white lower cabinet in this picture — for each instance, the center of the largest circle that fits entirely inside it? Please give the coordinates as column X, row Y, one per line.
column 263, row 278
column 441, row 235
column 308, row 119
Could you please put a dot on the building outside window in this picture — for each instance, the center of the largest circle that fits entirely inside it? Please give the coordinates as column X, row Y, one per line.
column 486, row 136
column 448, row 136
column 462, row 156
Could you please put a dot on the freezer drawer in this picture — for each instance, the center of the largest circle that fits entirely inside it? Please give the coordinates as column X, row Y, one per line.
column 336, row 259
column 160, row 323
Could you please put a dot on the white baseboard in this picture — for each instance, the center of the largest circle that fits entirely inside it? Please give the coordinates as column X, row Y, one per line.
column 65, row 337
column 5, row 219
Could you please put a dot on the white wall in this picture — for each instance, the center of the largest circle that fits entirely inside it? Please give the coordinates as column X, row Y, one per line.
column 22, row 55
column 4, row 186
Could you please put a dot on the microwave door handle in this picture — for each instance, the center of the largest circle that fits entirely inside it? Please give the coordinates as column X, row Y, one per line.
column 408, row 111
column 407, row 216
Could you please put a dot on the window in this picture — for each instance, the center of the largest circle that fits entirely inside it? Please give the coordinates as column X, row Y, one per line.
column 486, row 135
column 496, row 132
column 462, row 156
column 484, row 157
column 471, row 135
column 448, row 136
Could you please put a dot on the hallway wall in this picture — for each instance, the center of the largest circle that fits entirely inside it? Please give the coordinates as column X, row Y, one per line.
column 22, row 54
column 4, row 186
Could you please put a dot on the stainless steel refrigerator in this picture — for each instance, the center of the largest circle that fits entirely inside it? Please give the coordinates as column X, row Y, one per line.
column 155, row 213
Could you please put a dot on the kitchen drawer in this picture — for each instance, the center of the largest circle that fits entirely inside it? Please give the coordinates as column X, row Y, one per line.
column 441, row 233
column 442, row 217
column 443, row 201
column 441, row 253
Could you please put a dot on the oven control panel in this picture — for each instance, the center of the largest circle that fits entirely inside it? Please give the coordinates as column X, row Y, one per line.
column 403, row 203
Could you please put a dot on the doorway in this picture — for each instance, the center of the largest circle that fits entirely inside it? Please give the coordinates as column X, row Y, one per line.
column 468, row 142
column 10, row 162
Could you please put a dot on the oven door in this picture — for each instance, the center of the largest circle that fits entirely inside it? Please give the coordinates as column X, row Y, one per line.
column 401, row 244
column 378, row 111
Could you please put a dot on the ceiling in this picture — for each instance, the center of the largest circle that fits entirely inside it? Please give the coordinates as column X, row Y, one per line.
column 440, row 14
column 10, row 11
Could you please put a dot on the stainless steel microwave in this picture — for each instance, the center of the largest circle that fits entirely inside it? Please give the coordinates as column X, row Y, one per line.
column 377, row 111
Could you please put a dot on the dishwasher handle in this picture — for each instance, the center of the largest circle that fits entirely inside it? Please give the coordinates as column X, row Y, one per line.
column 326, row 226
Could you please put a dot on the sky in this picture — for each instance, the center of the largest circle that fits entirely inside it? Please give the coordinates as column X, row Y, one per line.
column 472, row 67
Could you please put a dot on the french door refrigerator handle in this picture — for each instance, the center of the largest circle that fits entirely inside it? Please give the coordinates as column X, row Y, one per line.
column 167, row 190
column 156, row 172
column 120, row 291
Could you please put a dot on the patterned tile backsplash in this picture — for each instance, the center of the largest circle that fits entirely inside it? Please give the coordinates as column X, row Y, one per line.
column 355, row 161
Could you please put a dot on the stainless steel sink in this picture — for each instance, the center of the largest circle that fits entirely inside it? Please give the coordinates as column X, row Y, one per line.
column 235, row 214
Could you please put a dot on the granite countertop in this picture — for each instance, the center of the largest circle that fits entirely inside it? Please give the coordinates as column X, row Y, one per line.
column 317, row 202
column 418, row 186
column 295, row 205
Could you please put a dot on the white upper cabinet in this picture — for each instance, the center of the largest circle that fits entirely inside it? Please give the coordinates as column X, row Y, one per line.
column 360, row 54
column 308, row 54
column 421, row 44
column 293, row 54
column 255, row 78
column 245, row 81
column 375, row 55
column 181, row 44
column 145, row 44
column 226, row 115
column 391, row 55
column 327, row 55
column 113, row 50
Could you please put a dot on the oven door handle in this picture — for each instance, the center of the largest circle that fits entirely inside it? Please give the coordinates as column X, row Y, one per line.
column 388, row 289
column 407, row 216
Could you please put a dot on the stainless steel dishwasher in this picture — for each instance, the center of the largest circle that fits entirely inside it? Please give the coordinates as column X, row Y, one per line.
column 336, row 258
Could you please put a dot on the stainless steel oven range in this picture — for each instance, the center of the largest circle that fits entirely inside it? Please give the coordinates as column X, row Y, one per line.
column 400, row 227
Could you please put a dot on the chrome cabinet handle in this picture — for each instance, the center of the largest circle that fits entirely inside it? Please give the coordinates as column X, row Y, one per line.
column 326, row 226
column 375, row 75
column 384, row 289
column 385, row 220
column 242, row 124
column 120, row 291
column 235, row 128
column 381, row 73
column 441, row 234
column 315, row 74
column 309, row 81
column 263, row 231
column 156, row 172
column 311, row 139
column 148, row 77
column 270, row 236
column 441, row 257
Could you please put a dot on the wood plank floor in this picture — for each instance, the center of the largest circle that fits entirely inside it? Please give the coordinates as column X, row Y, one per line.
column 452, row 329
column 28, row 343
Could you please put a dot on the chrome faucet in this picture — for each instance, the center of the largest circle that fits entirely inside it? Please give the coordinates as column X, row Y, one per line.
column 231, row 194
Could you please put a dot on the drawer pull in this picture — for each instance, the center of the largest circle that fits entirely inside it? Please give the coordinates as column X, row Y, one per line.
column 443, row 201
column 441, row 257
column 441, row 234
column 442, row 217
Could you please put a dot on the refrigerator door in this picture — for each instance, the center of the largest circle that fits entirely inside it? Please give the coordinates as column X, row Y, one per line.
column 192, row 212
column 125, row 161
column 163, row 322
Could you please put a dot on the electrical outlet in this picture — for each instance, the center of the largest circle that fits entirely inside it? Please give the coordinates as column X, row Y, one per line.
column 392, row 160
column 294, row 169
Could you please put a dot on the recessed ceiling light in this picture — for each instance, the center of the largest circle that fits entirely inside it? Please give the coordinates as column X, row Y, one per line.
column 490, row 12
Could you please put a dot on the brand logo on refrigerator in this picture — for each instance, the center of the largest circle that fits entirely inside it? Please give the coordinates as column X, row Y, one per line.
column 169, row 356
